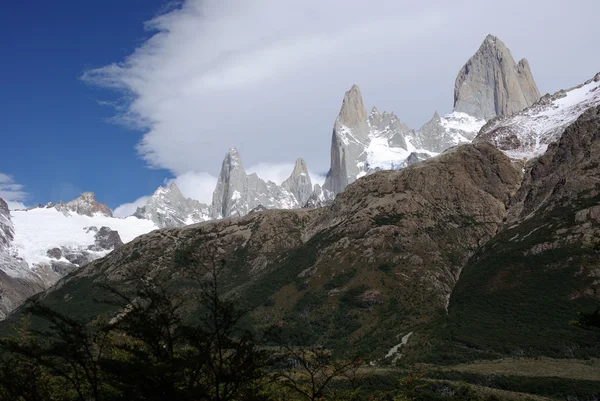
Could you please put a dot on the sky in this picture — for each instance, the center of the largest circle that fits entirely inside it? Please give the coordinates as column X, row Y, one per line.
column 121, row 96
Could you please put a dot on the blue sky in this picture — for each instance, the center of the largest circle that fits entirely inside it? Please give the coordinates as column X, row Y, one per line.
column 265, row 76
column 55, row 138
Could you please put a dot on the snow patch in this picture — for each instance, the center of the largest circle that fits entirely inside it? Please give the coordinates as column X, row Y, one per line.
column 38, row 230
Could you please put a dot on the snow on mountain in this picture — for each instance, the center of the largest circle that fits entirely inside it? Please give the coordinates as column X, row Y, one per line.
column 527, row 134
column 39, row 230
column 167, row 207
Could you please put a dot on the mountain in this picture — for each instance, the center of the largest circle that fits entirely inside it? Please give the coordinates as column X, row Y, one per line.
column 488, row 85
column 491, row 83
column 542, row 268
column 85, row 205
column 40, row 245
column 52, row 241
column 167, row 207
column 528, row 133
column 468, row 252
column 381, row 260
column 237, row 193
column 443, row 132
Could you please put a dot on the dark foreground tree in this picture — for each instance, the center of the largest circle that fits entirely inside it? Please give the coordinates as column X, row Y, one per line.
column 149, row 351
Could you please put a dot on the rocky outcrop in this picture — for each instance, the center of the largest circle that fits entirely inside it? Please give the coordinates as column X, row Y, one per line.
column 237, row 193
column 106, row 239
column 167, row 207
column 527, row 134
column 86, row 205
column 492, row 84
column 299, row 183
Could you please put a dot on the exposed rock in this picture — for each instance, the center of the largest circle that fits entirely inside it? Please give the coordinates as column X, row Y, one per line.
column 167, row 207
column 6, row 228
column 319, row 197
column 106, row 240
column 492, row 84
column 349, row 140
column 441, row 133
column 416, row 157
column 62, row 268
column 388, row 126
column 54, row 253
column 299, row 183
column 237, row 192
column 86, row 205
column 258, row 209
column 78, row 257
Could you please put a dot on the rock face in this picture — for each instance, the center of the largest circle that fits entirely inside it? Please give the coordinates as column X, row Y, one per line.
column 237, row 193
column 527, row 134
column 299, row 184
column 348, row 143
column 6, row 227
column 106, row 240
column 492, row 84
column 167, row 207
column 85, row 205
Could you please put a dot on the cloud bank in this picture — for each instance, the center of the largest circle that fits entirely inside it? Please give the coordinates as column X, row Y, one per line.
column 268, row 76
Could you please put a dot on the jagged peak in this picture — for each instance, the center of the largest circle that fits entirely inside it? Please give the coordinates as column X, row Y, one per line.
column 300, row 166
column 353, row 112
column 85, row 204
column 231, row 161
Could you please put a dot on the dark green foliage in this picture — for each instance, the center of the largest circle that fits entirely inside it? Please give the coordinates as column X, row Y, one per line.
column 507, row 296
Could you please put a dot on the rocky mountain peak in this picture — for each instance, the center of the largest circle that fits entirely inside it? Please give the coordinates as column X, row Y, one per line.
column 492, row 84
column 353, row 112
column 299, row 183
column 86, row 204
column 168, row 207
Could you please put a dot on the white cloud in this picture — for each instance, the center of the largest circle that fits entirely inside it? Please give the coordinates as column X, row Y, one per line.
column 127, row 209
column 13, row 193
column 198, row 186
column 272, row 171
column 267, row 76
column 279, row 172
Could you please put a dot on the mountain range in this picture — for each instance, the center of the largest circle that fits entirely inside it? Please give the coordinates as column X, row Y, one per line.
column 496, row 102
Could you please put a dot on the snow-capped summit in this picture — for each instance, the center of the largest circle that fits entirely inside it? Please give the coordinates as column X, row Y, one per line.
column 443, row 132
column 167, row 207
column 527, row 134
